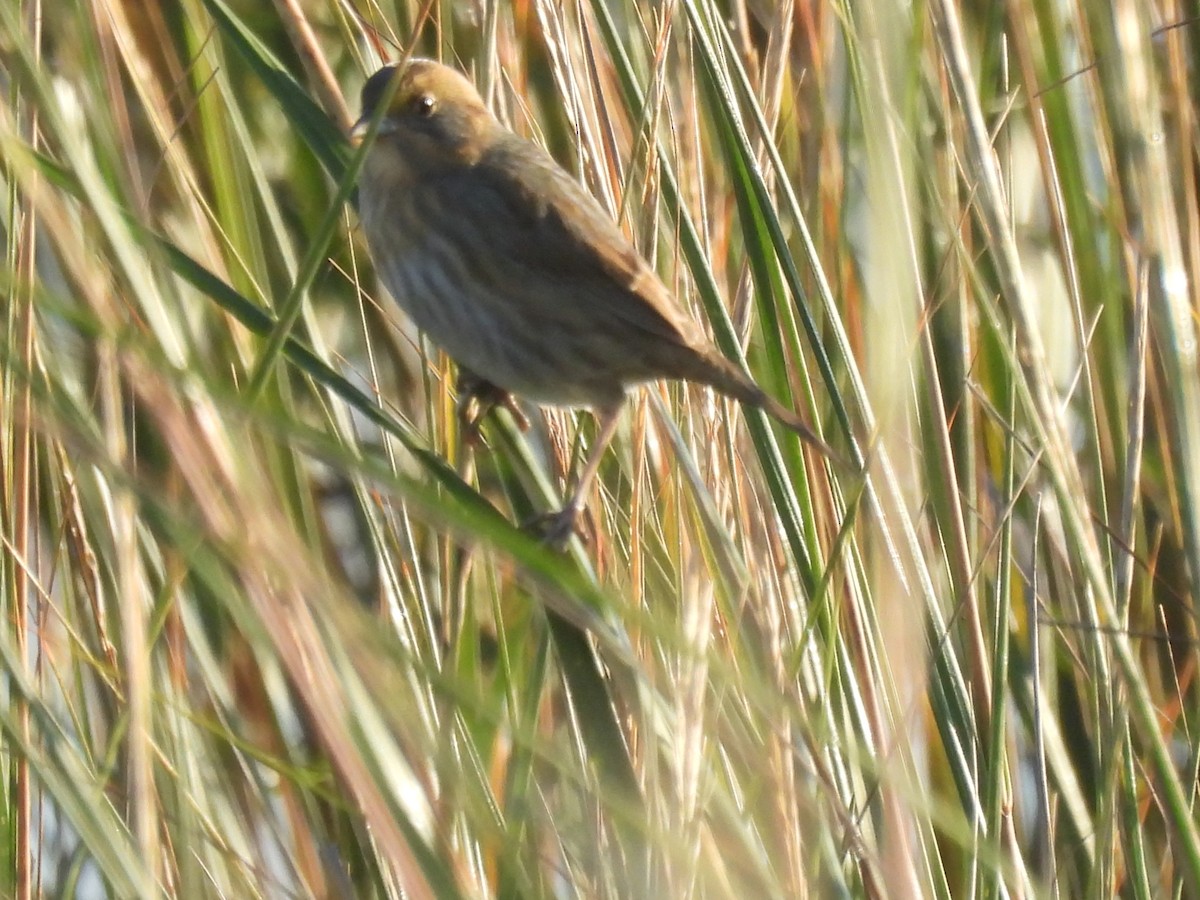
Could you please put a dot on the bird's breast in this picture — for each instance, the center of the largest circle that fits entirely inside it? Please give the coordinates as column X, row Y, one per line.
column 476, row 303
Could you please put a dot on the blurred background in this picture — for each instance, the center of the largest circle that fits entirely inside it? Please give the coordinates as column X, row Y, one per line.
column 272, row 629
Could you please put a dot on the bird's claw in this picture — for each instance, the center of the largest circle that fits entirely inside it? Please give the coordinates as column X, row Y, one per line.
column 476, row 398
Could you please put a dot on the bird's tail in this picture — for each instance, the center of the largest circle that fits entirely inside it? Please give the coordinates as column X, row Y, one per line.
column 726, row 378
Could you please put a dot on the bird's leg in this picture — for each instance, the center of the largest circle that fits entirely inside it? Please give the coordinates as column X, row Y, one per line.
column 558, row 527
column 476, row 398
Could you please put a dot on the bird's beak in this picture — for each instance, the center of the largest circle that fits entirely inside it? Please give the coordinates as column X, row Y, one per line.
column 358, row 131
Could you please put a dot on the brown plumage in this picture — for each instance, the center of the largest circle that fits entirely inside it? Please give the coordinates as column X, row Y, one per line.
column 515, row 270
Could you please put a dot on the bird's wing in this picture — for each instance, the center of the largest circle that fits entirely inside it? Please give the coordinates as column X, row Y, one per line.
column 555, row 230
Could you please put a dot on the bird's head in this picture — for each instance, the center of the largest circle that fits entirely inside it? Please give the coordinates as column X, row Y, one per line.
column 433, row 117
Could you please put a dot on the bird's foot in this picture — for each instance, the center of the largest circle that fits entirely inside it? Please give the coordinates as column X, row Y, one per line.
column 476, row 398
column 557, row 528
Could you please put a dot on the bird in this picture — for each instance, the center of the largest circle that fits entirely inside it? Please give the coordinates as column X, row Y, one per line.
column 508, row 264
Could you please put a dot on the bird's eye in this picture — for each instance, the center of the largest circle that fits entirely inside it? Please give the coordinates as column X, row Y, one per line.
column 424, row 106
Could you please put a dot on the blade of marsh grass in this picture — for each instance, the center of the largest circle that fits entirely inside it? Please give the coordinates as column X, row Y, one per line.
column 319, row 132
column 781, row 485
column 1133, row 105
column 914, row 554
column 262, row 323
column 589, row 692
column 997, row 773
column 1047, row 420
column 785, row 257
column 314, row 258
column 68, row 778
